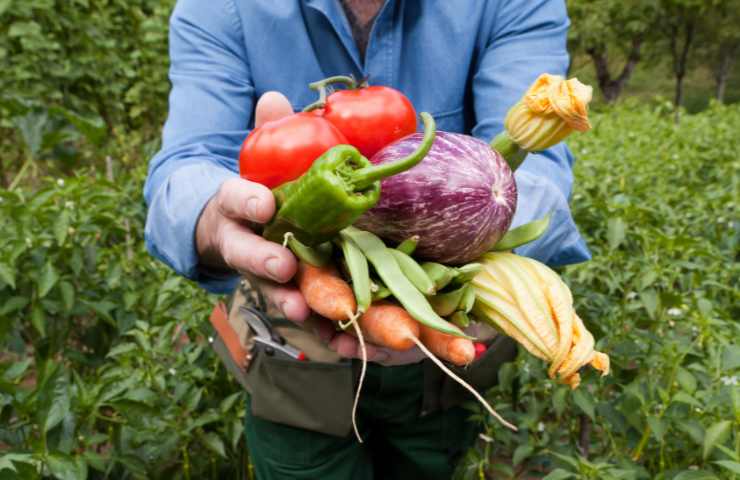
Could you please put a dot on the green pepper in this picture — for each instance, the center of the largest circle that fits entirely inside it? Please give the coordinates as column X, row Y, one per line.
column 339, row 187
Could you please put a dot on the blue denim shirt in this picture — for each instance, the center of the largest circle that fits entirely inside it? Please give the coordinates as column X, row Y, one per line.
column 464, row 61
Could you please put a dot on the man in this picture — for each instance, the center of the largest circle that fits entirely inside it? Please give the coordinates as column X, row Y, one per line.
column 464, row 61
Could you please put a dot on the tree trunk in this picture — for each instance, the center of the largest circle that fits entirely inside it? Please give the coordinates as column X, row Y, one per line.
column 727, row 58
column 680, row 56
column 610, row 87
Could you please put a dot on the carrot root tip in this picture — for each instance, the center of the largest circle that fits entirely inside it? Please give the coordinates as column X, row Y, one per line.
column 363, row 350
column 462, row 382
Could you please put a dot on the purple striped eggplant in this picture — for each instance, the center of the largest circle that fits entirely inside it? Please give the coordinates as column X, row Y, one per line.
column 459, row 200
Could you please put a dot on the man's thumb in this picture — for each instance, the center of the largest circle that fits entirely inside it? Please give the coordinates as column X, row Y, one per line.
column 271, row 106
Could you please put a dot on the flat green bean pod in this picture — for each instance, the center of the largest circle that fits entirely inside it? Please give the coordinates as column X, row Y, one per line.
column 468, row 299
column 467, row 272
column 440, row 274
column 408, row 246
column 390, row 273
column 317, row 256
column 460, row 319
column 414, row 272
column 522, row 234
column 358, row 271
column 446, row 303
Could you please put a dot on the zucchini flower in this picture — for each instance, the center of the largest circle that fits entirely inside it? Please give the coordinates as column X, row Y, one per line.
column 549, row 111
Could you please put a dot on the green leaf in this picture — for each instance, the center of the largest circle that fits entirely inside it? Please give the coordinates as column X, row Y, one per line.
column 730, row 357
column 121, row 349
column 705, row 307
column 560, row 400
column 57, row 400
column 21, row 29
column 7, row 275
column 4, row 4
column 657, row 426
column 650, row 301
column 734, row 467
column 93, row 128
column 214, row 443
column 229, row 402
column 61, row 226
column 521, row 453
column 585, row 402
column 16, row 370
column 68, row 295
column 64, row 467
column 558, row 474
column 47, row 279
column 695, row 475
column 13, row 304
column 6, row 461
column 615, row 232
column 684, row 397
column 717, row 433
column 686, row 380
column 38, row 319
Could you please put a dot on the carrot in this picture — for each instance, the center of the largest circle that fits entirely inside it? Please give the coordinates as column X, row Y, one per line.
column 326, row 293
column 383, row 324
column 388, row 325
column 456, row 350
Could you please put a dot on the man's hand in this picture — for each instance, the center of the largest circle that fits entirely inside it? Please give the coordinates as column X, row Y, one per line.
column 225, row 239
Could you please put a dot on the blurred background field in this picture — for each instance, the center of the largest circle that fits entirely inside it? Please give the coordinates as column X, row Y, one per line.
column 105, row 369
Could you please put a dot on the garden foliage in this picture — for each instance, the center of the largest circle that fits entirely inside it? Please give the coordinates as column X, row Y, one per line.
column 106, row 370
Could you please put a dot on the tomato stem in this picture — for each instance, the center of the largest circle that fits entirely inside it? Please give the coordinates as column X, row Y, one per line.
column 321, row 87
column 366, row 176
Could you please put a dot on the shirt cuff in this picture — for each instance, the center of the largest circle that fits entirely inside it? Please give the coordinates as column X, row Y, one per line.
column 173, row 214
column 561, row 244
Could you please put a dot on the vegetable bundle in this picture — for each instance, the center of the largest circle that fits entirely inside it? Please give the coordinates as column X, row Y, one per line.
column 430, row 206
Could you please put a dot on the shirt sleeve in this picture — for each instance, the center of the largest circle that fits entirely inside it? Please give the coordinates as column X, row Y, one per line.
column 210, row 106
column 528, row 38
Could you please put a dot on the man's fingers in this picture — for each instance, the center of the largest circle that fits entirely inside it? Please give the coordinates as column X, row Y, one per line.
column 244, row 251
column 241, row 199
column 271, row 106
column 286, row 298
column 349, row 347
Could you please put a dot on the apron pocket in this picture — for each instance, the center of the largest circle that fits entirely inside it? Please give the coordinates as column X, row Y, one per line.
column 314, row 396
column 442, row 392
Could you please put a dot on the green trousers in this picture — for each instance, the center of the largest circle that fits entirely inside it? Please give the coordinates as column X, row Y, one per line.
column 399, row 443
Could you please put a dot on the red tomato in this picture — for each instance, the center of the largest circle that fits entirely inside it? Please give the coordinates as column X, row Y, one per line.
column 282, row 150
column 371, row 117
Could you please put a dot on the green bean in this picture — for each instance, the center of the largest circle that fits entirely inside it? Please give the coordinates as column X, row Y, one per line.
column 380, row 291
column 414, row 272
column 358, row 272
column 468, row 299
column 440, row 274
column 409, row 245
column 466, row 273
column 522, row 234
column 446, row 303
column 390, row 273
column 317, row 256
column 460, row 319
